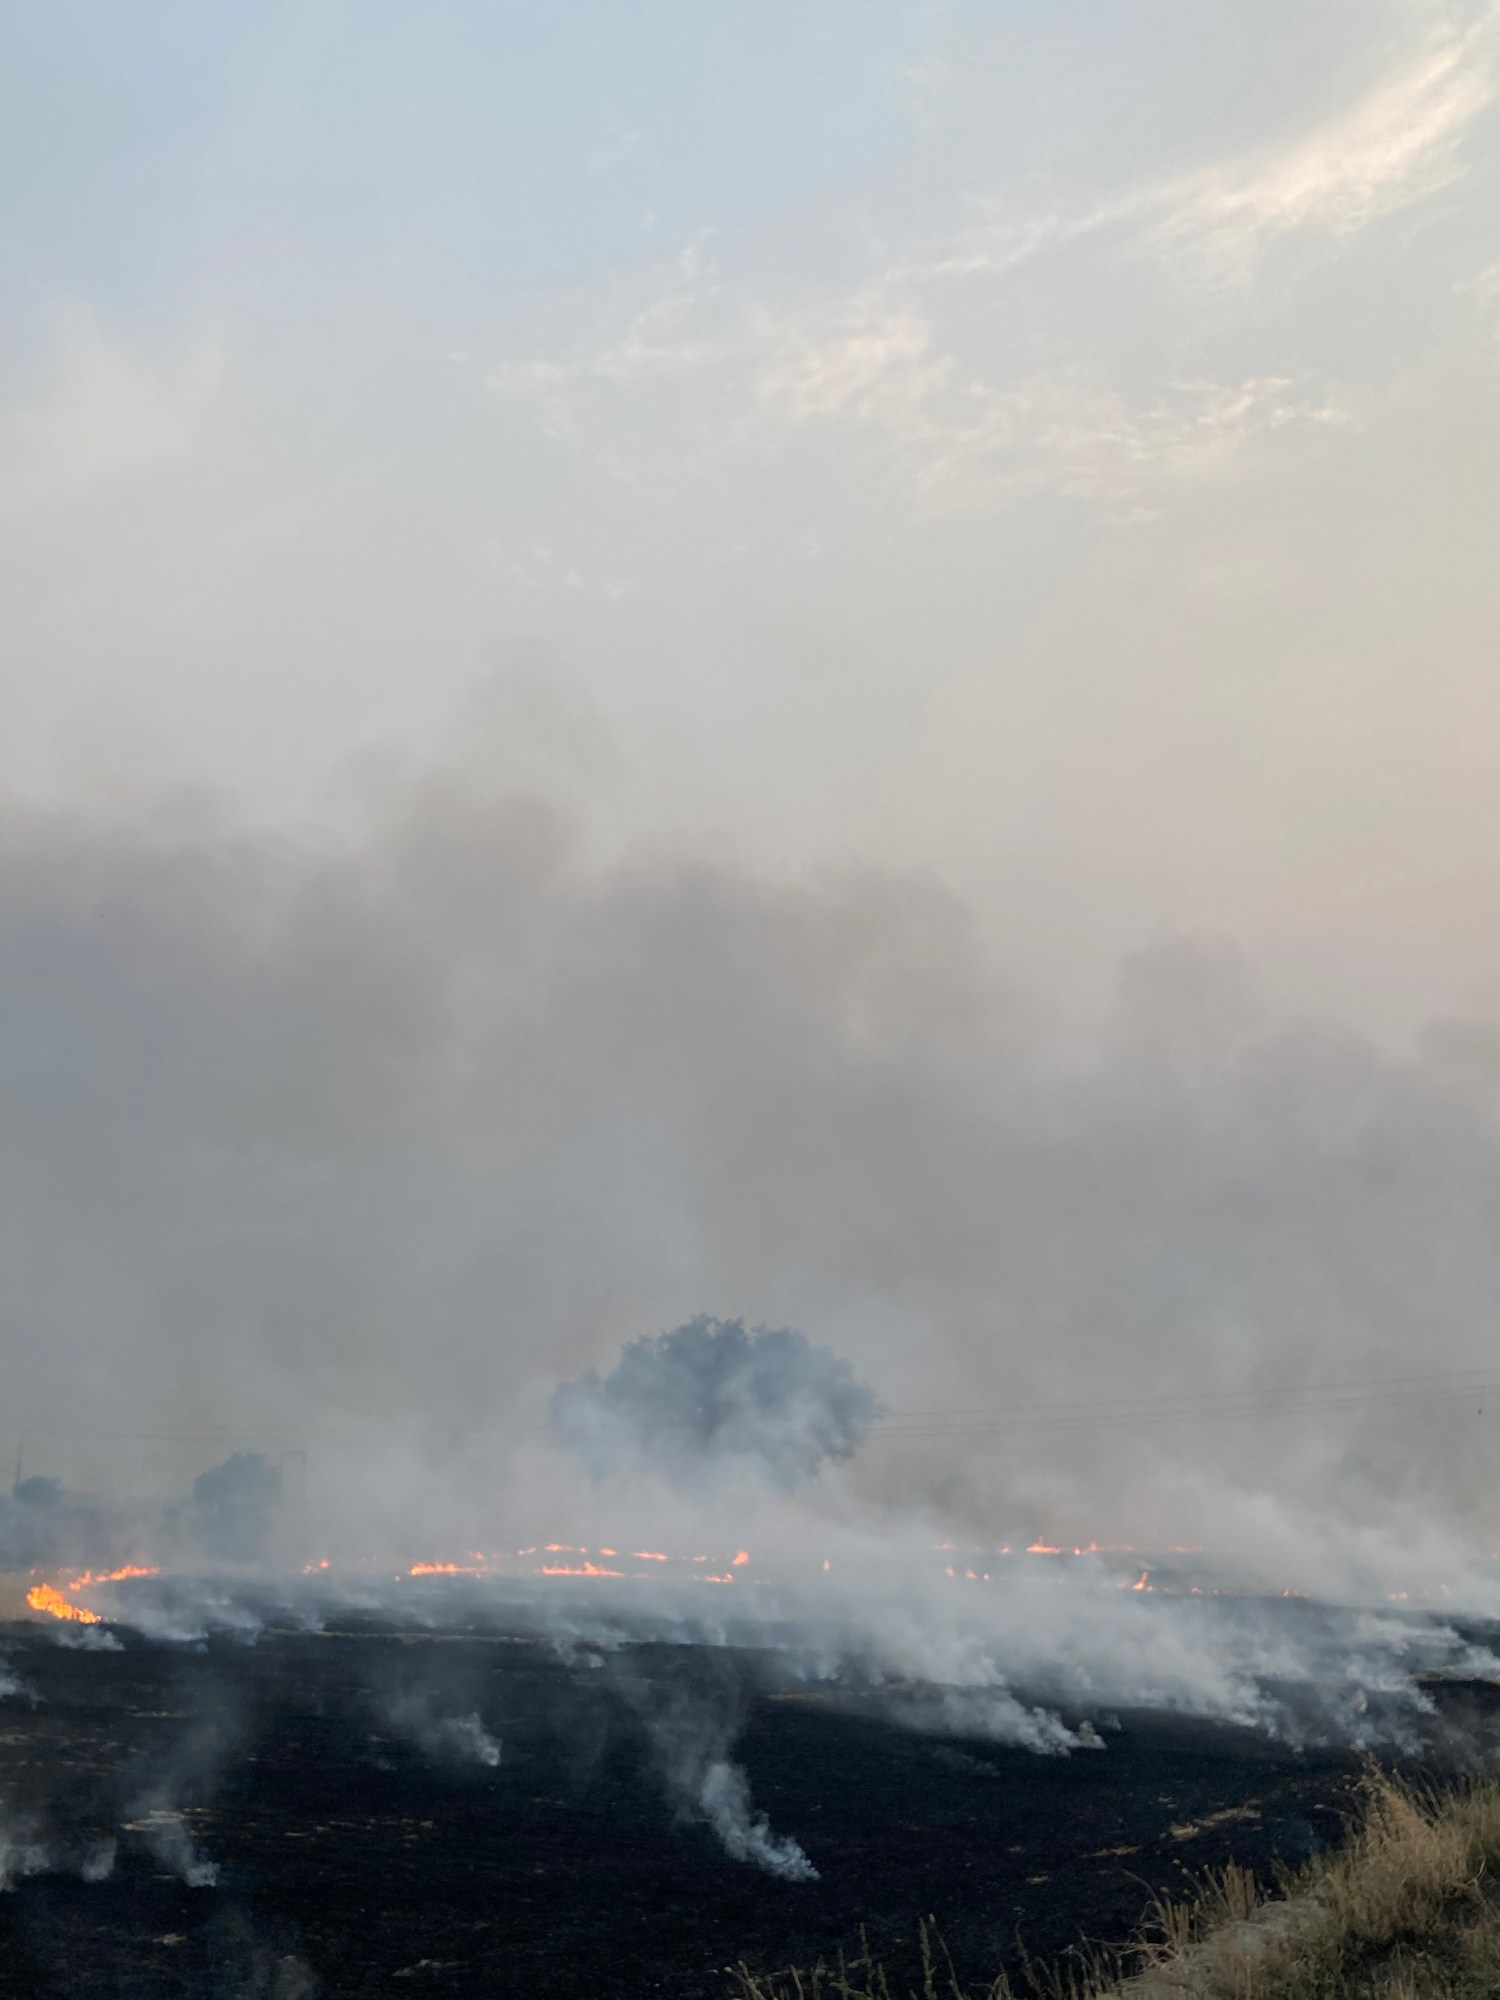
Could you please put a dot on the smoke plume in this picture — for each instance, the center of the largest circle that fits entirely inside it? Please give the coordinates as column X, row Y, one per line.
column 691, row 1728
column 355, row 1146
column 232, row 1507
column 419, row 1715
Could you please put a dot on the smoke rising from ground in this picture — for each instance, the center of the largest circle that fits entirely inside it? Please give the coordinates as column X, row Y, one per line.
column 162, row 1797
column 170, row 1842
column 419, row 1714
column 20, row 1855
column 11, row 1684
column 691, row 1729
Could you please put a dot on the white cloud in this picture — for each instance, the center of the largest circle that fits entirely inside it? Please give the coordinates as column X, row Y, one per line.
column 1396, row 146
column 1393, row 147
column 914, row 371
column 861, row 368
column 1069, row 434
column 913, row 423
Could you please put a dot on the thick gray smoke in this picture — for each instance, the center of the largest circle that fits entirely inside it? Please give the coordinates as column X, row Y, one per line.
column 233, row 1506
column 42, row 1524
column 227, row 1517
column 714, row 1399
column 355, row 1147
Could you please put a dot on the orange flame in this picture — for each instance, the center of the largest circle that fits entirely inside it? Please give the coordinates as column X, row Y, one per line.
column 42, row 1597
column 578, row 1569
column 649, row 1556
column 112, row 1575
column 1042, row 1549
column 741, row 1557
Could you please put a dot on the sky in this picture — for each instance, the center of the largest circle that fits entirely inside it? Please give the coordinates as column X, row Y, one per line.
column 830, row 664
column 1050, row 447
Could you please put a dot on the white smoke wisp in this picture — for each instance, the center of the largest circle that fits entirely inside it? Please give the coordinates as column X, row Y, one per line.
column 1033, row 1656
column 21, row 1854
column 987, row 1714
column 467, row 1737
column 1036, row 1655
column 169, row 1841
column 98, row 1863
column 1041, row 1640
column 721, row 1792
column 460, row 1739
column 84, row 1638
column 690, row 1730
column 169, row 1796
column 12, row 1686
column 190, row 1610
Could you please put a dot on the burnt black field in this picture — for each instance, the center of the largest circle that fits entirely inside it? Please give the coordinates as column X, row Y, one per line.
column 354, row 1860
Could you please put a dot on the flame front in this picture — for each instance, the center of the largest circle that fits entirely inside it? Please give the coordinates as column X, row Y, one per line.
column 1099, row 1564
column 42, row 1597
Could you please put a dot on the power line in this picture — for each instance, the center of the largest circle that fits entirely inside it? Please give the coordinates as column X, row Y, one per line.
column 1458, row 1377
column 1042, row 1419
column 1039, row 1419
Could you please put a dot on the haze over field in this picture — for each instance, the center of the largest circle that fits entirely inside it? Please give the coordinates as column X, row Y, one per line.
column 823, row 666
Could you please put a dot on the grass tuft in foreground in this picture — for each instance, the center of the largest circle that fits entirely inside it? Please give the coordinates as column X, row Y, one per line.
column 1407, row 1909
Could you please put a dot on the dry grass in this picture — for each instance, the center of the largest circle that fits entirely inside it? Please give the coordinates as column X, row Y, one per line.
column 1407, row 1909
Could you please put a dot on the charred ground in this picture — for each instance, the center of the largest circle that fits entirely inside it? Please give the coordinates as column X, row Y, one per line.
column 354, row 1859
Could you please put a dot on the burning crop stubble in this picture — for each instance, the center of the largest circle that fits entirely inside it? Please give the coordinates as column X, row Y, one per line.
column 383, row 1140
column 609, row 1845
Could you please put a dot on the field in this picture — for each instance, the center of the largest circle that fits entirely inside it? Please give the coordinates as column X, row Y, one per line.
column 340, row 1787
